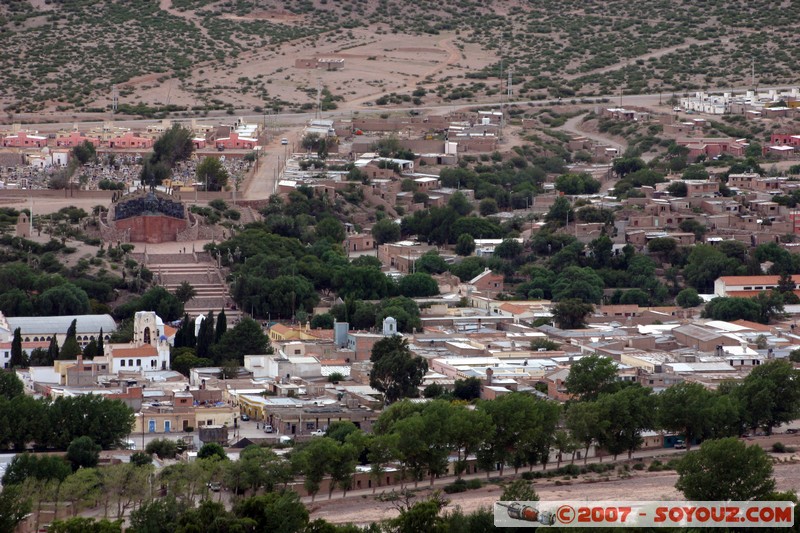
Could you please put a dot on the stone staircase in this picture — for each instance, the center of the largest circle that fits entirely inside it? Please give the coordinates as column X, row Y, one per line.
column 199, row 269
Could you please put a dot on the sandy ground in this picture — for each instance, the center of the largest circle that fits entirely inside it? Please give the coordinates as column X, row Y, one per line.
column 641, row 486
column 361, row 507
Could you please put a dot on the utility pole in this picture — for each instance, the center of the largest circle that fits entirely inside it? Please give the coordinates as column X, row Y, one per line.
column 114, row 100
column 510, row 87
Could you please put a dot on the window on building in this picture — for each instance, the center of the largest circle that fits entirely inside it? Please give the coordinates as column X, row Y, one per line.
column 138, row 362
column 122, row 362
column 130, row 362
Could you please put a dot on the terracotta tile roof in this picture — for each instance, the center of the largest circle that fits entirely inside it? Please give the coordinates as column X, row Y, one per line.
column 514, row 308
column 26, row 345
column 755, row 280
column 169, row 331
column 755, row 326
column 145, row 350
column 750, row 294
column 280, row 328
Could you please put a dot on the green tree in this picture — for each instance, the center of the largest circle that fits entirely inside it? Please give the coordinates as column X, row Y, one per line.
column 571, row 313
column 173, row 146
column 10, row 386
column 590, row 376
column 163, row 448
column 14, row 507
column 688, row 298
column 323, row 321
column 708, row 475
column 624, row 166
column 395, row 371
column 245, row 338
column 733, row 308
column 678, row 189
column 185, row 292
column 331, row 229
column 276, row 512
column 314, row 461
column 460, row 204
column 582, row 183
column 422, row 516
column 468, row 430
column 29, row 466
column 431, row 263
column 664, row 246
column 770, row 395
column 560, row 213
column 488, row 206
column 70, row 349
column 583, row 419
column 107, row 421
column 518, row 440
column 693, row 226
column 467, row 389
column 465, row 245
column 79, row 524
column 385, row 230
column 52, row 350
column 684, row 409
column 212, row 449
column 64, row 299
column 205, row 336
column 83, row 453
column 222, row 326
column 628, row 413
column 520, row 490
column 18, row 358
column 509, row 249
column 184, row 361
column 581, row 283
column 705, row 264
column 156, row 516
column 84, row 152
column 418, row 285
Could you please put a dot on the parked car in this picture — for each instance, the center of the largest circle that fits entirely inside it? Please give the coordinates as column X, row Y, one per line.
column 680, row 445
column 284, row 141
column 318, row 433
column 791, row 431
column 267, row 428
column 215, row 486
column 244, row 417
column 285, row 439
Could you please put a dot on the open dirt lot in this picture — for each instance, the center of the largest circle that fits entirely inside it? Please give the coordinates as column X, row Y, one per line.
column 642, row 486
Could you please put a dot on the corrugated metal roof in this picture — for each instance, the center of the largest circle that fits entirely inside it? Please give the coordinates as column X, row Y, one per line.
column 31, row 325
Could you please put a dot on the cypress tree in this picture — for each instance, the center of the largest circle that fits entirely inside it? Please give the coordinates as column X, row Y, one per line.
column 52, row 350
column 18, row 359
column 70, row 348
column 101, row 350
column 222, row 326
column 205, row 338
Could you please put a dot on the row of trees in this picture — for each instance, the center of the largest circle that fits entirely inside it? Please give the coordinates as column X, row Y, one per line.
column 47, row 423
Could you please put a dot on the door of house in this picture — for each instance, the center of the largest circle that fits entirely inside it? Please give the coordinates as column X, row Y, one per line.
column 151, row 426
column 167, row 426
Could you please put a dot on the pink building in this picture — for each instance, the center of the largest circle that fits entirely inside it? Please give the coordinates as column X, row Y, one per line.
column 75, row 138
column 25, row 140
column 130, row 140
column 712, row 147
column 235, row 142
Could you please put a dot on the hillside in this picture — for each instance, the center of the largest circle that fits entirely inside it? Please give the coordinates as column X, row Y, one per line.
column 195, row 55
